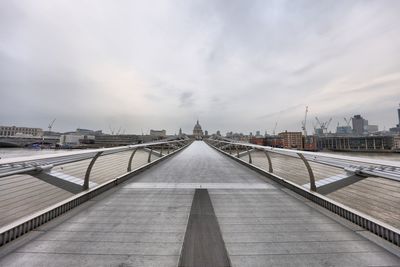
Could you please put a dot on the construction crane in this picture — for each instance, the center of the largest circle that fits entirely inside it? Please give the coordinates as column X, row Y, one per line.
column 348, row 121
column 276, row 124
column 111, row 129
column 119, row 130
column 304, row 123
column 315, row 128
column 327, row 125
column 324, row 125
column 51, row 125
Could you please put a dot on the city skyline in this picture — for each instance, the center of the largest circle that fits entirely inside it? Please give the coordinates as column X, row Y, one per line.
column 237, row 66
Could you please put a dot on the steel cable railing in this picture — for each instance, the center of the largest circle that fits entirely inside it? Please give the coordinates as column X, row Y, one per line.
column 30, row 184
column 370, row 186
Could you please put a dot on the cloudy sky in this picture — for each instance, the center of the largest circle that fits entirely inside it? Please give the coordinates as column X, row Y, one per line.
column 235, row 65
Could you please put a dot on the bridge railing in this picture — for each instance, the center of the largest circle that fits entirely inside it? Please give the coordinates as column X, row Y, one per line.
column 31, row 184
column 364, row 167
column 366, row 185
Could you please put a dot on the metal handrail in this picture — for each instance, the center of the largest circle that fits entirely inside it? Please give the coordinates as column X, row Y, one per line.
column 361, row 166
column 353, row 166
column 29, row 222
column 20, row 165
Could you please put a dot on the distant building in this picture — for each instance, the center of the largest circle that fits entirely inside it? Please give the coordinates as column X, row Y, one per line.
column 218, row 133
column 344, row 130
column 76, row 139
column 274, row 141
column 359, row 124
column 158, row 133
column 88, row 132
column 292, row 139
column 372, row 128
column 13, row 130
column 197, row 131
column 310, row 143
column 319, row 131
column 117, row 140
column 396, row 142
column 257, row 140
column 206, row 133
column 397, row 128
column 180, row 131
column 356, row 143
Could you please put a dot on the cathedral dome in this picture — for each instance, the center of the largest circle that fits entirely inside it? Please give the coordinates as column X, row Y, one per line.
column 197, row 131
column 197, row 126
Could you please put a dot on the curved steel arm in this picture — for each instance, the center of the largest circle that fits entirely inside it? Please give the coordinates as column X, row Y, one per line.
column 89, row 169
column 310, row 172
column 269, row 162
column 248, row 152
column 149, row 158
column 130, row 160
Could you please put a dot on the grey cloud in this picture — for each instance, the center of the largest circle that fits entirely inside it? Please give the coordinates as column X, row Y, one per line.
column 186, row 99
column 235, row 64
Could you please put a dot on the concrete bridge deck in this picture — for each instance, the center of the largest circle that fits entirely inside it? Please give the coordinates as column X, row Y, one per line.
column 167, row 215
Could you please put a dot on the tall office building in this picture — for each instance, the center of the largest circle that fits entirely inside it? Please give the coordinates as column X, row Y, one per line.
column 359, row 124
column 398, row 113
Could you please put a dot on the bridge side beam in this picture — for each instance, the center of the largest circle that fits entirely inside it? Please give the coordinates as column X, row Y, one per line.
column 63, row 184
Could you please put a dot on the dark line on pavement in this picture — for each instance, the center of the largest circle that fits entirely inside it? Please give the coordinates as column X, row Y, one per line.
column 203, row 244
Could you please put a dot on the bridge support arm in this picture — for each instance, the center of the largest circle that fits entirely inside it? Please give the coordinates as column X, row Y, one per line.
column 149, row 158
column 130, row 160
column 248, row 152
column 89, row 169
column 269, row 162
column 313, row 187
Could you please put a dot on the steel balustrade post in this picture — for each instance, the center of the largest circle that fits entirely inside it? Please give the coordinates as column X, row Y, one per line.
column 313, row 187
column 130, row 160
column 150, row 152
column 161, row 151
column 248, row 152
column 269, row 161
column 168, row 147
column 230, row 149
column 89, row 169
column 237, row 151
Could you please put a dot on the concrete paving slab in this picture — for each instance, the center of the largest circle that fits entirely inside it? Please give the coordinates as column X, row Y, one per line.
column 46, row 259
column 273, row 239
column 201, row 185
column 102, row 247
column 325, row 259
column 303, row 247
column 249, row 237
column 113, row 237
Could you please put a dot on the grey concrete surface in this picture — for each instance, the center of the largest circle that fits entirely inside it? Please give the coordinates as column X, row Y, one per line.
column 134, row 226
column 131, row 227
column 199, row 164
column 272, row 228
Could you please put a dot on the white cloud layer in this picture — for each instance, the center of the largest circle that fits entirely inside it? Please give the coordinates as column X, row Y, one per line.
column 235, row 65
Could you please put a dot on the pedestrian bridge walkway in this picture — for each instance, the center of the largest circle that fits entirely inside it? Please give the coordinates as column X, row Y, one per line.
column 198, row 208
